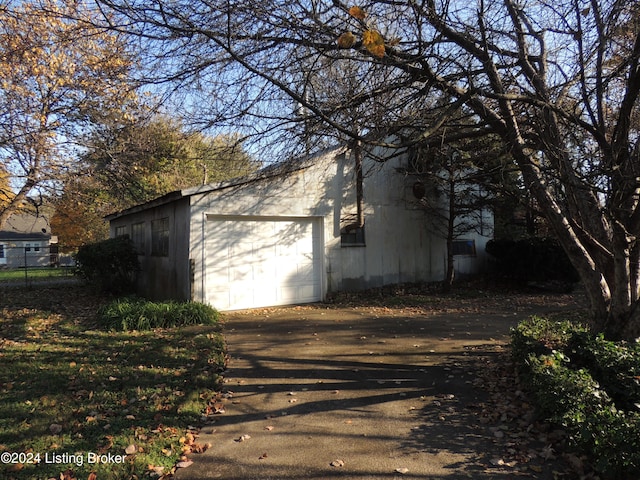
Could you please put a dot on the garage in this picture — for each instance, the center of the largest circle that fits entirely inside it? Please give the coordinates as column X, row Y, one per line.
column 262, row 261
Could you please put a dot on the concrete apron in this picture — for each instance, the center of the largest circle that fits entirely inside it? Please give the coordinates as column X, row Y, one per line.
column 317, row 393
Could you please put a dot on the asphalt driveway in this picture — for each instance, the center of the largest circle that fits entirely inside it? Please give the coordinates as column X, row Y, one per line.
column 320, row 392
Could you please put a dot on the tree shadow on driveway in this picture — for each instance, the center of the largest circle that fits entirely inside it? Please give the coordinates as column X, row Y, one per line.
column 320, row 393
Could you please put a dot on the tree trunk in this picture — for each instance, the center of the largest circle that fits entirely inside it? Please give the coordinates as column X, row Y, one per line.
column 588, row 266
column 450, row 273
column 357, row 151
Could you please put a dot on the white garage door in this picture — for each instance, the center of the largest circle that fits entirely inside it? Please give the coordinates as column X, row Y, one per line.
column 262, row 262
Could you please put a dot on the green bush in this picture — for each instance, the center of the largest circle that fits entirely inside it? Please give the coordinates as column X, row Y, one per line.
column 616, row 365
column 566, row 396
column 111, row 265
column 134, row 313
column 532, row 259
column 587, row 385
column 539, row 336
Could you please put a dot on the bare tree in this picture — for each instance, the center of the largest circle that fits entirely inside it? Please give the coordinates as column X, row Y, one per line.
column 454, row 188
column 558, row 82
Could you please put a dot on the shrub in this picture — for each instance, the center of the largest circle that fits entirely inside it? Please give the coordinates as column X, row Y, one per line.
column 615, row 365
column 532, row 259
column 565, row 396
column 539, row 335
column 111, row 265
column 576, row 380
column 134, row 313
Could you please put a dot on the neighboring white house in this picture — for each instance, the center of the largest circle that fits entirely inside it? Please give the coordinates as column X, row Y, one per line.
column 26, row 240
column 288, row 234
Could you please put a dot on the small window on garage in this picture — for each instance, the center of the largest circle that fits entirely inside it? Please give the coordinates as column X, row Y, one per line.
column 160, row 237
column 352, row 236
column 464, row 247
column 137, row 237
column 121, row 231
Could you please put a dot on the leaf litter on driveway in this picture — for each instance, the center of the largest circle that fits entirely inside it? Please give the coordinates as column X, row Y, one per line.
column 497, row 433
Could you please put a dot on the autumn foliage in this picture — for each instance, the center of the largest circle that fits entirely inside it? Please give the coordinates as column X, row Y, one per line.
column 372, row 40
column 58, row 78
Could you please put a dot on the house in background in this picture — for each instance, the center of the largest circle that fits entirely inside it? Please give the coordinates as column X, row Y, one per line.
column 291, row 234
column 26, row 240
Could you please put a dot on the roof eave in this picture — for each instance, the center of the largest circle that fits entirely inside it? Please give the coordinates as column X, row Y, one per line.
column 271, row 171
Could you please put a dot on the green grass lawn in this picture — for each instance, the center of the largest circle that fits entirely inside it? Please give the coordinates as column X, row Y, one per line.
column 18, row 274
column 72, row 393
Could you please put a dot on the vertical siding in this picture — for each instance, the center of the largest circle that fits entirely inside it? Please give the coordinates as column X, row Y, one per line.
column 163, row 277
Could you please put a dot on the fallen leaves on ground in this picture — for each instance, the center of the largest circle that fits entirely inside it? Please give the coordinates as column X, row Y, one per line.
column 215, row 404
column 68, row 475
column 525, row 443
column 191, row 446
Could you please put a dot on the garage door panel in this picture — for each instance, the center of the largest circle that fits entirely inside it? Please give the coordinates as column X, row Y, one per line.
column 310, row 292
column 239, row 229
column 218, row 271
column 267, row 262
column 306, row 273
column 222, row 295
column 240, row 298
column 265, row 271
column 241, row 249
column 262, row 253
column 218, row 228
column 240, row 273
column 288, row 294
column 299, row 294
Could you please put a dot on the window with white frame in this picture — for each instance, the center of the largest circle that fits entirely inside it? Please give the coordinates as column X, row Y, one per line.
column 32, row 247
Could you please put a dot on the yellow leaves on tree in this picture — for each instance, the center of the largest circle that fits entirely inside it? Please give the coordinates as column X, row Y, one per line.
column 357, row 12
column 374, row 43
column 44, row 52
column 346, row 40
column 5, row 187
column 57, row 77
column 372, row 40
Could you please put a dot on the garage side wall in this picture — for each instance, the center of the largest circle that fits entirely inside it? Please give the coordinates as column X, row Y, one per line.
column 398, row 243
column 161, row 237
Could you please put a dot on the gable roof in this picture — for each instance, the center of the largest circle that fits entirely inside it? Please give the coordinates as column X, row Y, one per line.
column 275, row 170
column 25, row 226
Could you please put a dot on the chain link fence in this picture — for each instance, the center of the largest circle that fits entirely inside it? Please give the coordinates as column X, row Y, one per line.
column 35, row 264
